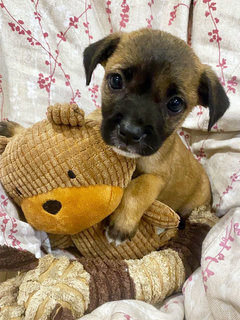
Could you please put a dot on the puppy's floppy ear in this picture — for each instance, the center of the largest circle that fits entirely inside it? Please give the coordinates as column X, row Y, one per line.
column 99, row 52
column 211, row 94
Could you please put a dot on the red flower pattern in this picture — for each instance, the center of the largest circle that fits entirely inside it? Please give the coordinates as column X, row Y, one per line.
column 76, row 95
column 225, row 245
column 185, row 136
column 45, row 82
column 73, row 22
column 86, row 23
column 235, row 177
column 61, row 36
column 8, row 225
column 109, row 12
column 214, row 36
column 232, row 84
column 173, row 14
column 124, row 14
column 150, row 19
column 94, row 94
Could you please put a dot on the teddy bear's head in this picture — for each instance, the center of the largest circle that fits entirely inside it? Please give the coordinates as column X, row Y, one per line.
column 61, row 172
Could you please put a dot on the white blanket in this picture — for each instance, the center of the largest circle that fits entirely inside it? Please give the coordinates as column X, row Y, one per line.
column 41, row 63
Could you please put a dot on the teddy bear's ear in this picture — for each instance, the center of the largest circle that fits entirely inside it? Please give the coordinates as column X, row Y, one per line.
column 67, row 114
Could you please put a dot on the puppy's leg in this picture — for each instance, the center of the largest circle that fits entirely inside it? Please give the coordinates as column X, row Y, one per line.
column 9, row 128
column 137, row 197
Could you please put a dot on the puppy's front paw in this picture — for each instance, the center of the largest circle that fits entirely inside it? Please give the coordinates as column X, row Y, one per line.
column 118, row 229
column 119, row 235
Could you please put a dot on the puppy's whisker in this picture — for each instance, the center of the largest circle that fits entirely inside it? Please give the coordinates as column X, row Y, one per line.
column 145, row 145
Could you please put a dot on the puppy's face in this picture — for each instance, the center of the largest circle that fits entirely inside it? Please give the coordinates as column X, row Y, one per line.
column 152, row 81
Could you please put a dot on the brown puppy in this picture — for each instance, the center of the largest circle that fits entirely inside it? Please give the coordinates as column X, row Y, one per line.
column 152, row 81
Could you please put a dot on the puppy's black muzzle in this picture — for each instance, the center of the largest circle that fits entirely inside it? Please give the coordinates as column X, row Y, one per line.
column 130, row 133
column 133, row 125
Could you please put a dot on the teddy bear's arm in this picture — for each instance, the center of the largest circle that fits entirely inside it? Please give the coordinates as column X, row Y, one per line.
column 161, row 215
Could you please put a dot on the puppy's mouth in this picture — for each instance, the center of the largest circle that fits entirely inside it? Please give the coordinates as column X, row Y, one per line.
column 125, row 152
column 124, row 147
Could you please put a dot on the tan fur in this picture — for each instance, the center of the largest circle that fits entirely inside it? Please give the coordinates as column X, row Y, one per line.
column 172, row 174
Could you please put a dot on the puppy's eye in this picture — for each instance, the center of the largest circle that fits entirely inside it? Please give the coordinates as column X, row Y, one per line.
column 175, row 105
column 115, row 81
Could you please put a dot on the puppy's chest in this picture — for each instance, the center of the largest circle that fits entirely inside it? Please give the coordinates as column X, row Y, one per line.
column 156, row 164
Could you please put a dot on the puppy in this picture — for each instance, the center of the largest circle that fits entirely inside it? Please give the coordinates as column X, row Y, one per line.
column 152, row 82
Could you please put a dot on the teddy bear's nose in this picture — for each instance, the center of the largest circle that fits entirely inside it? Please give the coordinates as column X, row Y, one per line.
column 52, row 206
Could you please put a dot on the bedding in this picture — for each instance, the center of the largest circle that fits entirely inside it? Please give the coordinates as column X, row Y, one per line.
column 41, row 63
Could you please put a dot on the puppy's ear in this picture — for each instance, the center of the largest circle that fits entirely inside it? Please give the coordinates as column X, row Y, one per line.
column 99, row 52
column 211, row 94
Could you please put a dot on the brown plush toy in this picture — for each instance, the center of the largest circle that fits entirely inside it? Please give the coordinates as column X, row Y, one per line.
column 61, row 174
column 66, row 181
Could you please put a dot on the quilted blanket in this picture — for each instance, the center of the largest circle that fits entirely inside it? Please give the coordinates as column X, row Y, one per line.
column 41, row 45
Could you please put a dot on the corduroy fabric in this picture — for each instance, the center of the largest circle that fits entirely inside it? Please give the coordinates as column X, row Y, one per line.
column 39, row 158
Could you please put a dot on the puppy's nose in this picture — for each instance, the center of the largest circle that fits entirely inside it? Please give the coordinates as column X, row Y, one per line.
column 130, row 133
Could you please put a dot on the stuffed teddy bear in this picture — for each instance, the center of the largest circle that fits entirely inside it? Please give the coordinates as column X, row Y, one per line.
column 59, row 171
column 66, row 180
